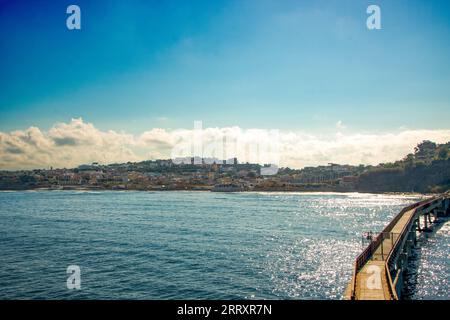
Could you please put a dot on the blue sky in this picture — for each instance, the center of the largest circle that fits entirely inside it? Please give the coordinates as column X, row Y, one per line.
column 294, row 65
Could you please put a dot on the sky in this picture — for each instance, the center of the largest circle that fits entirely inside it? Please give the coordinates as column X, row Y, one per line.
column 310, row 69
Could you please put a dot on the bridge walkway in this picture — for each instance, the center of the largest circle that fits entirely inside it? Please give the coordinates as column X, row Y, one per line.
column 366, row 288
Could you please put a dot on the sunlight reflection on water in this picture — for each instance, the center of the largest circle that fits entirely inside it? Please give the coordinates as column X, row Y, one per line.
column 196, row 245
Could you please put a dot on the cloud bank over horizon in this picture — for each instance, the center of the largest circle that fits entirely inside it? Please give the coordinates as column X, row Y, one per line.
column 78, row 142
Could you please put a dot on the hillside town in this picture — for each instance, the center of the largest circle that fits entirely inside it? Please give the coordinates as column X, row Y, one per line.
column 427, row 170
column 170, row 175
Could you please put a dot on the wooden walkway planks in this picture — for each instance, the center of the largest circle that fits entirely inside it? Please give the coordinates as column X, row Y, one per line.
column 364, row 289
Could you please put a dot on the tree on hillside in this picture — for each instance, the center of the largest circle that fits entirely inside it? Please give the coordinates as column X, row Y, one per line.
column 409, row 158
column 443, row 153
column 425, row 150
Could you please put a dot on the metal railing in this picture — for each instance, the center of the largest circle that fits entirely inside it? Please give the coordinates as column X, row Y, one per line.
column 399, row 244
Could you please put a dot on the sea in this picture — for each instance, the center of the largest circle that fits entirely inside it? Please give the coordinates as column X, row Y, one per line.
column 200, row 245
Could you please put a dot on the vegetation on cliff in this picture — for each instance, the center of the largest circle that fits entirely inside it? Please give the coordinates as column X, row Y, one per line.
column 425, row 170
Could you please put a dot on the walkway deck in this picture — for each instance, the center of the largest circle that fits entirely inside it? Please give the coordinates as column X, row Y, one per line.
column 365, row 289
column 378, row 272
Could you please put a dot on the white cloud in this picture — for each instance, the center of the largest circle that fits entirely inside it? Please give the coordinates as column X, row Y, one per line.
column 64, row 145
column 77, row 142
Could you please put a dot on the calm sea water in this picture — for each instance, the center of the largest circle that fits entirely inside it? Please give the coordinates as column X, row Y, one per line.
column 198, row 245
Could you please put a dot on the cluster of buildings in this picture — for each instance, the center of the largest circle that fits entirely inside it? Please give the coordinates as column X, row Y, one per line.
column 185, row 174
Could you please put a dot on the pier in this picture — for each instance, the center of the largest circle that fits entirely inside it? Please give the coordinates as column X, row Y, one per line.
column 379, row 269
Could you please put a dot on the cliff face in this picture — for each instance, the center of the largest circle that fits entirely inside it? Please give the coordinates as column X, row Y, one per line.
column 433, row 177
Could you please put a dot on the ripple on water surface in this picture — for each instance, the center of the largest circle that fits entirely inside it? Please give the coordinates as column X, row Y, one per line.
column 198, row 245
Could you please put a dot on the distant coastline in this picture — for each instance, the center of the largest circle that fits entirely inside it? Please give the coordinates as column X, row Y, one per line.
column 427, row 171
